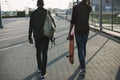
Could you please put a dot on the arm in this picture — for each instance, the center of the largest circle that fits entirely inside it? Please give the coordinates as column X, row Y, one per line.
column 30, row 30
column 71, row 26
column 72, row 23
column 70, row 36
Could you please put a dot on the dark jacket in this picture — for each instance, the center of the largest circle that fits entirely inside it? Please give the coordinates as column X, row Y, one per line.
column 37, row 20
column 80, row 18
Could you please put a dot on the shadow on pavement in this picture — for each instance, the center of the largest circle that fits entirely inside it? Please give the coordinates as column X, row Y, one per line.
column 96, row 52
column 72, row 77
column 57, row 59
column 80, row 77
column 77, row 70
column 33, row 75
column 118, row 75
column 37, row 76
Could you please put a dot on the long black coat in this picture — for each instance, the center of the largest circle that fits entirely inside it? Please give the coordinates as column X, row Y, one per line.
column 37, row 20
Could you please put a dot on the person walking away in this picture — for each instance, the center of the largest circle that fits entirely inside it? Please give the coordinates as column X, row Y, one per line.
column 80, row 20
column 36, row 25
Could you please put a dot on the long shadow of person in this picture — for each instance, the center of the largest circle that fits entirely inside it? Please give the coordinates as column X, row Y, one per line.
column 80, row 77
column 35, row 76
column 72, row 77
column 118, row 75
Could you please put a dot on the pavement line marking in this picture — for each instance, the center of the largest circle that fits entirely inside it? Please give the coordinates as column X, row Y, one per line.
column 12, row 37
column 13, row 32
column 11, row 29
column 11, row 47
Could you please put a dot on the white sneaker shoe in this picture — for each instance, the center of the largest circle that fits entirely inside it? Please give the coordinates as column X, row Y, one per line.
column 43, row 76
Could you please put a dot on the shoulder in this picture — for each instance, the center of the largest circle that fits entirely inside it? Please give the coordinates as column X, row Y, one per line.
column 75, row 6
column 45, row 9
column 34, row 11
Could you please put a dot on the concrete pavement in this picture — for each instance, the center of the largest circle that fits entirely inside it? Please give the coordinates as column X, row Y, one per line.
column 102, row 60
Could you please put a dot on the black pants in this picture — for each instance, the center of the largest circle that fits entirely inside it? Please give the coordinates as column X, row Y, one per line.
column 41, row 53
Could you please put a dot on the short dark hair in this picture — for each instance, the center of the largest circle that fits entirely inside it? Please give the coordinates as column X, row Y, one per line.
column 84, row 0
column 40, row 3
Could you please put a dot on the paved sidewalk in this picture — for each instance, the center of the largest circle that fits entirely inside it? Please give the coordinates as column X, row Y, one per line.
column 102, row 60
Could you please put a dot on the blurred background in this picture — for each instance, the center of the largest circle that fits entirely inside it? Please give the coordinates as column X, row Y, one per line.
column 105, row 13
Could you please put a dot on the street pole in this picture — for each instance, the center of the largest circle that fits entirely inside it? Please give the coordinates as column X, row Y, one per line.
column 100, row 15
column 73, row 2
column 0, row 18
column 77, row 1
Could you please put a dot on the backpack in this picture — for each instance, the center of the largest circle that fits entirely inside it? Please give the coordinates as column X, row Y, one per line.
column 48, row 28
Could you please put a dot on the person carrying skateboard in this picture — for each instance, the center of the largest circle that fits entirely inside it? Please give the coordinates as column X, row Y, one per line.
column 80, row 19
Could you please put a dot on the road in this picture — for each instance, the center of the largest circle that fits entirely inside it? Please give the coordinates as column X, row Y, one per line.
column 14, row 32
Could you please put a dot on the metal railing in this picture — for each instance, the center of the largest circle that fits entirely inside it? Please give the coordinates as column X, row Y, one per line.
column 106, row 14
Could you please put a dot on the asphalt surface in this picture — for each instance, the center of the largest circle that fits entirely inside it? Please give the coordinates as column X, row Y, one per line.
column 18, row 57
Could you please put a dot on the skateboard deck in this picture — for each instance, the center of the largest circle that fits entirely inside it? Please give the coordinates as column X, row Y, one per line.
column 71, row 51
column 71, row 47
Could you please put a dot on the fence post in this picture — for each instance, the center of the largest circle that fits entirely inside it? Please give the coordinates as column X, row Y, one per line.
column 112, row 15
column 77, row 1
column 100, row 15
column 0, row 18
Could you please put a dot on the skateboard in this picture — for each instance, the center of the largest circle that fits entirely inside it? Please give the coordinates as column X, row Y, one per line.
column 71, row 51
column 71, row 48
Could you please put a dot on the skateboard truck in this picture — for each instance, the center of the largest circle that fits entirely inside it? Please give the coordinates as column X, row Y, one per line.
column 69, row 56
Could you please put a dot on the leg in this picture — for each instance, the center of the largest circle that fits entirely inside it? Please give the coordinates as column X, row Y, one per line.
column 79, row 42
column 38, row 53
column 84, row 43
column 44, row 48
column 38, row 57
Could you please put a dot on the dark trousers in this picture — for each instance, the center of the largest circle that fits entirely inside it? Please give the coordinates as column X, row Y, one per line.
column 81, row 41
column 41, row 53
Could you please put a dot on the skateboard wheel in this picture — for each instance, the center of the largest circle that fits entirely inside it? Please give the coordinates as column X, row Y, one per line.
column 67, row 56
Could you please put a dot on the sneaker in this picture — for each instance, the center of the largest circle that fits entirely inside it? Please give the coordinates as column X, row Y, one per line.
column 39, row 71
column 43, row 75
column 82, row 71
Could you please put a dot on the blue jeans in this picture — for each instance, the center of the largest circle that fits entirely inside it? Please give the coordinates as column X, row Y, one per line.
column 81, row 41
